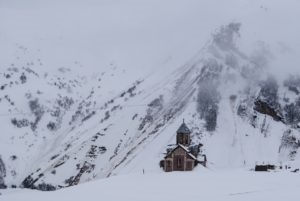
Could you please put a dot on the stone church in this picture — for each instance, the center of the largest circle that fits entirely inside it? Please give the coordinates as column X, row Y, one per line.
column 184, row 156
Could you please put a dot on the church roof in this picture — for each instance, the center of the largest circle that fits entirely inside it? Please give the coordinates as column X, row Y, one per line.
column 183, row 129
column 184, row 148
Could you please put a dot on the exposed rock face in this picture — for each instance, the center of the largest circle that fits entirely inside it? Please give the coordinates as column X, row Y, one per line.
column 208, row 99
column 264, row 108
column 29, row 182
column 2, row 174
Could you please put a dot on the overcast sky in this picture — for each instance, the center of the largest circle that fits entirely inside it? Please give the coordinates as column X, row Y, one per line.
column 143, row 35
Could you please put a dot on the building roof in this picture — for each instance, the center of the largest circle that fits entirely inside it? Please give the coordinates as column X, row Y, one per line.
column 185, row 149
column 183, row 129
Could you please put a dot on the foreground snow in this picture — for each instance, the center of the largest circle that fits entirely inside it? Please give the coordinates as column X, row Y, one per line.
column 201, row 184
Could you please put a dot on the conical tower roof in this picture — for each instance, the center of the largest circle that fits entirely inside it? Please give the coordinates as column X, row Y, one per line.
column 183, row 129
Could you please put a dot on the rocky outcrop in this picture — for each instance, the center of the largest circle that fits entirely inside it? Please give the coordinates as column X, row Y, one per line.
column 264, row 108
column 2, row 174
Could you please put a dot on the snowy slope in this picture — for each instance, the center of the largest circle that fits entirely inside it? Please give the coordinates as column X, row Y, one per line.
column 207, row 185
column 90, row 90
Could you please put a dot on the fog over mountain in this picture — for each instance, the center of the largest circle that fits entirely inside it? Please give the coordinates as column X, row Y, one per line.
column 144, row 33
column 95, row 89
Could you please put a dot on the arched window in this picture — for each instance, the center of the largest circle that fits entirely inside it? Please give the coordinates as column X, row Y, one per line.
column 179, row 162
column 180, row 138
column 169, row 164
column 186, row 139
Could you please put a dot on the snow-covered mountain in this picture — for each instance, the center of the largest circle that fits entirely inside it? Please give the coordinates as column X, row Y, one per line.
column 68, row 123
